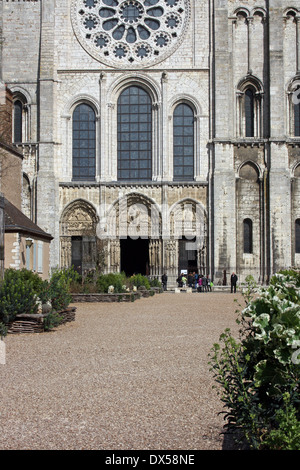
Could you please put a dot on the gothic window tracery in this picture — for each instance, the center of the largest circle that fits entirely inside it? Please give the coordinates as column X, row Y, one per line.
column 249, row 95
column 183, row 142
column 84, row 142
column 126, row 32
column 294, row 107
column 20, row 119
column 134, row 134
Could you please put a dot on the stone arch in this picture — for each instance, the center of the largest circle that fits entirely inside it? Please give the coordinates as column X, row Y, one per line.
column 296, row 170
column 248, row 208
column 242, row 13
column 290, row 11
column 131, row 228
column 133, row 214
column 134, row 79
column 79, row 218
column 21, row 119
column 253, row 85
column 249, row 170
column 188, row 218
column 188, row 229
column 186, row 99
column 259, row 11
column 110, row 106
column 293, row 106
column 79, row 99
column 78, row 225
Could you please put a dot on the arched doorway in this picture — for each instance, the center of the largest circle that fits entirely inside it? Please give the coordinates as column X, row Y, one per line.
column 133, row 233
column 78, row 236
column 188, row 230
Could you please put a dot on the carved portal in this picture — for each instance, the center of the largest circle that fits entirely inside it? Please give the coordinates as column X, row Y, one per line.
column 135, row 217
column 78, row 241
column 187, row 246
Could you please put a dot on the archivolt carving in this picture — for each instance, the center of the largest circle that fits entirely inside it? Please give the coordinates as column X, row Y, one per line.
column 187, row 219
column 78, row 219
column 134, row 216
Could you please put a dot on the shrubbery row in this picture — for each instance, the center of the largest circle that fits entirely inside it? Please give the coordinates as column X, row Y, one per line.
column 93, row 282
column 22, row 291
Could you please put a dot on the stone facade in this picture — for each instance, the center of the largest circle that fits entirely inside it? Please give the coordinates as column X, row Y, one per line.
column 220, row 59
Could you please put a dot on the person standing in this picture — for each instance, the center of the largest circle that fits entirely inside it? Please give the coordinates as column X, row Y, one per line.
column 204, row 284
column 164, row 280
column 233, row 281
column 199, row 284
column 208, row 281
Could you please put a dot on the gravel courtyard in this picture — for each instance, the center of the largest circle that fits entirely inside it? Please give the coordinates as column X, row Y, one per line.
column 121, row 376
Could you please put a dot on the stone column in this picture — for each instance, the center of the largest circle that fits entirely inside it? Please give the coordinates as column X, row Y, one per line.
column 65, row 251
column 47, row 185
column 279, row 175
column 155, row 257
column 164, row 156
column 156, row 149
column 298, row 44
column 223, row 178
column 250, row 33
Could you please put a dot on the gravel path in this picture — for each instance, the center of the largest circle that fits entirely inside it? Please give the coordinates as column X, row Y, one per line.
column 121, row 376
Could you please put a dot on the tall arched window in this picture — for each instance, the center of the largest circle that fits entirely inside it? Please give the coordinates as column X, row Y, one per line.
column 134, row 134
column 248, row 234
column 250, row 108
column 183, row 142
column 297, row 236
column 297, row 113
column 84, row 143
column 249, row 112
column 18, row 121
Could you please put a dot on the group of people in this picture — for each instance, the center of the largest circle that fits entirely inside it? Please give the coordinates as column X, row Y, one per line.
column 196, row 281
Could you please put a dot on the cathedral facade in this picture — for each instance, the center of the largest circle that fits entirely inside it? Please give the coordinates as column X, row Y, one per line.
column 159, row 135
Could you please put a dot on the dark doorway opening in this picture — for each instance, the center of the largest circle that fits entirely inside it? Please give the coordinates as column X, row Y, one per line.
column 187, row 255
column 77, row 254
column 134, row 256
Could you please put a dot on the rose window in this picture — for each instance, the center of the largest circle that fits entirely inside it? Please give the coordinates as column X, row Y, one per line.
column 130, row 32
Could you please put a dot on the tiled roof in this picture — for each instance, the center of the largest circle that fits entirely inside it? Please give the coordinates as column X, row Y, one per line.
column 16, row 221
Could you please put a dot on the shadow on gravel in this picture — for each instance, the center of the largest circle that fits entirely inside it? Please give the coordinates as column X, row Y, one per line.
column 230, row 442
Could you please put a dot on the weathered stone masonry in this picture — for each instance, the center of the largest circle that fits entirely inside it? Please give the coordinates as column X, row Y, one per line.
column 235, row 64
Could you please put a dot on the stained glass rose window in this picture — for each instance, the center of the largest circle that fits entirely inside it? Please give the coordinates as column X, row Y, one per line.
column 130, row 32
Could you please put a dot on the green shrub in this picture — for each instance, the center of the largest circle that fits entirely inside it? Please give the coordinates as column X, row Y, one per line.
column 286, row 434
column 118, row 280
column 52, row 320
column 154, row 283
column 58, row 291
column 139, row 280
column 18, row 294
column 3, row 330
column 257, row 372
